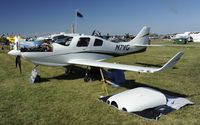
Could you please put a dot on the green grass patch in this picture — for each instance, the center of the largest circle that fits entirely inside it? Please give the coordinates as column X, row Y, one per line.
column 61, row 99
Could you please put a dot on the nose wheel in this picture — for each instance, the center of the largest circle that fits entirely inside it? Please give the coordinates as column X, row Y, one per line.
column 35, row 77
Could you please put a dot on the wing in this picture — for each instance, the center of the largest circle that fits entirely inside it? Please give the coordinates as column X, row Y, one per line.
column 95, row 63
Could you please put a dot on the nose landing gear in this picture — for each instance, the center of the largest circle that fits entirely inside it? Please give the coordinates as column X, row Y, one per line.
column 35, row 77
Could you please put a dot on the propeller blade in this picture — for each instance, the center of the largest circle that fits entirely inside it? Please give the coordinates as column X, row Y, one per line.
column 93, row 33
column 99, row 34
column 18, row 63
column 20, row 67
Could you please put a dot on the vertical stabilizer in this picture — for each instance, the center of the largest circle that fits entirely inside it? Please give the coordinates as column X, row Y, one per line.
column 142, row 37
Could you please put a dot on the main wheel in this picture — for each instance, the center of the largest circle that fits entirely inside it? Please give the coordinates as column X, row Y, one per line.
column 87, row 77
column 67, row 70
column 37, row 78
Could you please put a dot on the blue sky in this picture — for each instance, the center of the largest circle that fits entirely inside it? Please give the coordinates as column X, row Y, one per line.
column 107, row 16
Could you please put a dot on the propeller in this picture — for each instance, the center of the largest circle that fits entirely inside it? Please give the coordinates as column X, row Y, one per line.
column 18, row 63
column 93, row 33
column 99, row 34
column 127, row 36
column 17, row 53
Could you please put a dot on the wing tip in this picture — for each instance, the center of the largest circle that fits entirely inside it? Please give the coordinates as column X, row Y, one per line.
column 172, row 62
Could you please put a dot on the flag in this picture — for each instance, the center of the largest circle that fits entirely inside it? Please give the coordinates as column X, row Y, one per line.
column 78, row 14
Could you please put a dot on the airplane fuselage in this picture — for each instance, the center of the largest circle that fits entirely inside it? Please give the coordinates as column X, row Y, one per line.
column 81, row 47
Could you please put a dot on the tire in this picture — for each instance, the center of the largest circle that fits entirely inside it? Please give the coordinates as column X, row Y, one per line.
column 87, row 77
column 37, row 79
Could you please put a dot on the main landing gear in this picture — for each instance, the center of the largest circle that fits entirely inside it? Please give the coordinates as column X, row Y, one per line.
column 68, row 70
column 87, row 77
column 96, row 73
column 92, row 74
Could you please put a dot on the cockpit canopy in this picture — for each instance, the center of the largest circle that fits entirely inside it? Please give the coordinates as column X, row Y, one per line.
column 44, row 45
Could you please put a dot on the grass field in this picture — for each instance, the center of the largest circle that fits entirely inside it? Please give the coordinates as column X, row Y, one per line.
column 61, row 99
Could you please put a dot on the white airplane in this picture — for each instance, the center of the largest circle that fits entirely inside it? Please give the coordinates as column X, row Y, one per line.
column 89, row 51
column 190, row 36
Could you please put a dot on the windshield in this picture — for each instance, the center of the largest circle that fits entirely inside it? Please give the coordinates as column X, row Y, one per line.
column 63, row 40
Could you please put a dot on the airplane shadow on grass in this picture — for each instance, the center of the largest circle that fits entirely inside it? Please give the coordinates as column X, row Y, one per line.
column 79, row 72
column 131, row 84
column 76, row 73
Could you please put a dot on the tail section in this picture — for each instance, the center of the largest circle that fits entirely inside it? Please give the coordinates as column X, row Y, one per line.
column 142, row 37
